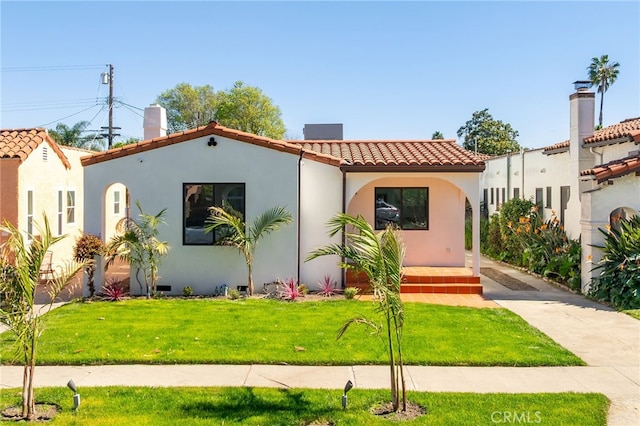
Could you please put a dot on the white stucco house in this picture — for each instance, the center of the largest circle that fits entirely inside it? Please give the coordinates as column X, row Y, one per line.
column 587, row 181
column 420, row 185
column 39, row 177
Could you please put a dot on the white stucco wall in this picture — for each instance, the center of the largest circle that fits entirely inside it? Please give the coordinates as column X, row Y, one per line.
column 540, row 171
column 156, row 177
column 597, row 206
column 321, row 186
column 45, row 177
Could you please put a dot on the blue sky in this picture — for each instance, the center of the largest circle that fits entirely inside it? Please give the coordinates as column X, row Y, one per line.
column 386, row 70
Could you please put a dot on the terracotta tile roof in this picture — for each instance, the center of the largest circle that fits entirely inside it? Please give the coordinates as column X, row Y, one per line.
column 427, row 155
column 627, row 129
column 211, row 129
column 614, row 169
column 557, row 148
column 20, row 143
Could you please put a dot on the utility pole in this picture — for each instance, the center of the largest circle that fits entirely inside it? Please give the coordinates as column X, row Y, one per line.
column 108, row 78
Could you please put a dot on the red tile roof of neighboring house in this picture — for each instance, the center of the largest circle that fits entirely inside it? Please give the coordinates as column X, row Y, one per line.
column 443, row 155
column 625, row 131
column 628, row 129
column 428, row 155
column 212, row 128
column 20, row 143
column 614, row 169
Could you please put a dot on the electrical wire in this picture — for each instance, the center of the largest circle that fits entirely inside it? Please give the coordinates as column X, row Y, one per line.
column 51, row 68
column 68, row 116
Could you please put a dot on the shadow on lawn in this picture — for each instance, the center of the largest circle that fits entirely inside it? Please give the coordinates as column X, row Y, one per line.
column 279, row 407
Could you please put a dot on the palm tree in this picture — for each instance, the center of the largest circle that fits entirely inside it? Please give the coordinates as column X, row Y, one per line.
column 20, row 264
column 72, row 136
column 380, row 257
column 245, row 240
column 602, row 74
column 137, row 243
column 437, row 135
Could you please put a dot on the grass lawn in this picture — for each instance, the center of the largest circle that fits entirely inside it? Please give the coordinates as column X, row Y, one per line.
column 272, row 332
column 633, row 312
column 261, row 406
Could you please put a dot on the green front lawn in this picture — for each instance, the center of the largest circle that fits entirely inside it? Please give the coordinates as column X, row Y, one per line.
column 259, row 331
column 633, row 312
column 260, row 406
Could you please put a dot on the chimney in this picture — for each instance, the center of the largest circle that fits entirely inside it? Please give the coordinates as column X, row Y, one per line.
column 154, row 122
column 581, row 122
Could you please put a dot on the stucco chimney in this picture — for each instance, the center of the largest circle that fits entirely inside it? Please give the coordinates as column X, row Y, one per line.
column 581, row 122
column 155, row 122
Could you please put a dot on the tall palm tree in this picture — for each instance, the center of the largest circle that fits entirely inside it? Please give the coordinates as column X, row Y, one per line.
column 245, row 239
column 603, row 74
column 380, row 257
column 20, row 263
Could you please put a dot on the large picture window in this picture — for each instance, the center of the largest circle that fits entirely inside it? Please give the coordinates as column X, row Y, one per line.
column 198, row 198
column 407, row 208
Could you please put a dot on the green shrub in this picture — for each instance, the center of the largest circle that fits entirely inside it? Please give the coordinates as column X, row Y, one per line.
column 350, row 292
column 619, row 279
column 233, row 294
column 511, row 213
column 187, row 291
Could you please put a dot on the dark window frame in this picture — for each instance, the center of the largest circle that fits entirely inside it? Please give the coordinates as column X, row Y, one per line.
column 213, row 194
column 548, row 198
column 539, row 198
column 401, row 208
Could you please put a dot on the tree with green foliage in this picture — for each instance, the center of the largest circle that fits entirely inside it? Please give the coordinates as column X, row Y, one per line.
column 188, row 106
column 128, row 141
column 236, row 233
column 137, row 243
column 486, row 135
column 73, row 136
column 437, row 135
column 244, row 108
column 603, row 74
column 20, row 264
column 380, row 257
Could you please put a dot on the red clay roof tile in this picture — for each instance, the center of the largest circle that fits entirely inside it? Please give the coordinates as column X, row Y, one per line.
column 627, row 129
column 20, row 143
column 614, row 169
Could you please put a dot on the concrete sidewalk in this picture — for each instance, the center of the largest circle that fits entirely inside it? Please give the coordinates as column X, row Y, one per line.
column 608, row 341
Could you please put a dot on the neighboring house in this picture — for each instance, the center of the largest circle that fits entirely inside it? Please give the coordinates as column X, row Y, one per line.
column 421, row 185
column 38, row 176
column 587, row 182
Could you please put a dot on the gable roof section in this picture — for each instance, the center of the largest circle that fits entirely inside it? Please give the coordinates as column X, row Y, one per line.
column 20, row 143
column 211, row 129
column 399, row 155
column 557, row 148
column 614, row 169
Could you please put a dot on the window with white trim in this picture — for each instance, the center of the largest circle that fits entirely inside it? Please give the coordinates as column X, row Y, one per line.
column 116, row 202
column 71, row 206
column 29, row 215
column 60, row 215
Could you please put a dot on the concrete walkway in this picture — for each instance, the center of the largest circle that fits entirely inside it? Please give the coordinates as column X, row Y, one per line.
column 608, row 341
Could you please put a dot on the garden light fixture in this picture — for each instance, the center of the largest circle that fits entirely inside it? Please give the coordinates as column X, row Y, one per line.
column 347, row 388
column 76, row 395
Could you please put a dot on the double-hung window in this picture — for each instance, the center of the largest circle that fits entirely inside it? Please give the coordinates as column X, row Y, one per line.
column 29, row 214
column 407, row 208
column 198, row 198
column 60, row 213
column 71, row 206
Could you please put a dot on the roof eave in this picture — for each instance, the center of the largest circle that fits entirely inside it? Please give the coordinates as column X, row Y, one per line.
column 354, row 168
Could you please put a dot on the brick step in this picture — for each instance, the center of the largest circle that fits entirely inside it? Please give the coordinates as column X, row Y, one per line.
column 446, row 288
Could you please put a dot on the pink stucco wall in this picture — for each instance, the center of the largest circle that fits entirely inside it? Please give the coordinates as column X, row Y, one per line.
column 443, row 243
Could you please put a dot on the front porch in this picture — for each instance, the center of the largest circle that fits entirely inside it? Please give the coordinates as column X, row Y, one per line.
column 427, row 279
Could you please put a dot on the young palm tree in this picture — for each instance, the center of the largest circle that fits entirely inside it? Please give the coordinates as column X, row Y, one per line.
column 380, row 257
column 245, row 240
column 137, row 244
column 72, row 136
column 20, row 264
column 603, row 74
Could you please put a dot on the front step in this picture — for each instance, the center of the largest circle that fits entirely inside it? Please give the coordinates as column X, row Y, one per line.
column 442, row 288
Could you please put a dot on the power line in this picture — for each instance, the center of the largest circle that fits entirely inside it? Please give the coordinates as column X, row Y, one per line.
column 51, row 68
column 68, row 116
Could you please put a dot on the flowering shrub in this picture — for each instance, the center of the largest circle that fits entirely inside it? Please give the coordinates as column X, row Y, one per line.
column 619, row 279
column 289, row 290
column 87, row 247
column 328, row 286
column 546, row 249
